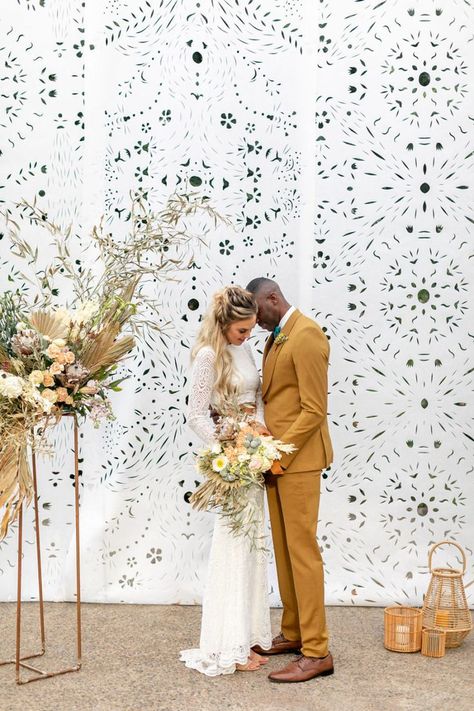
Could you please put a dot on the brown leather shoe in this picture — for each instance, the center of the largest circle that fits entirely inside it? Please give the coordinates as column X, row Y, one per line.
column 280, row 645
column 304, row 669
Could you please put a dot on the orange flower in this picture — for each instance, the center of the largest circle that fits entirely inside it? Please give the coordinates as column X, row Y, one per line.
column 62, row 394
column 50, row 395
column 231, row 455
column 56, row 368
column 48, row 379
column 53, row 351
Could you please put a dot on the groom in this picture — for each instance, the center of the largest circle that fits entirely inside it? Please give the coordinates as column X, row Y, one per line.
column 294, row 389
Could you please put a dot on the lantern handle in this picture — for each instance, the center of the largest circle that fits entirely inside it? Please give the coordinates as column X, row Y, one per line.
column 449, row 543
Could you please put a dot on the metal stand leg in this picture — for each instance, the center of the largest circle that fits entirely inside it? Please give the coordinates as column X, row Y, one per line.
column 19, row 660
column 78, row 545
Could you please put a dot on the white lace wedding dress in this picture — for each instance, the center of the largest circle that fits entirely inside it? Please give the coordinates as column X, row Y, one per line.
column 235, row 607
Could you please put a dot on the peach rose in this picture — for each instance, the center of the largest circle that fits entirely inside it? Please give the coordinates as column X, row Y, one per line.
column 56, row 368
column 49, row 395
column 48, row 379
column 70, row 357
column 53, row 351
column 36, row 377
column 62, row 394
column 69, row 400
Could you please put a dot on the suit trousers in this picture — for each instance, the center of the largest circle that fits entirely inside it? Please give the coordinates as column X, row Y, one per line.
column 293, row 501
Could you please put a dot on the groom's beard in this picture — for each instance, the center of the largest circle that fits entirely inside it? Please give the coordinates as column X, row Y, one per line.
column 265, row 326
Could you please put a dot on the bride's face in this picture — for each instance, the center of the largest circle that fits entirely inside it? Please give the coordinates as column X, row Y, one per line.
column 239, row 331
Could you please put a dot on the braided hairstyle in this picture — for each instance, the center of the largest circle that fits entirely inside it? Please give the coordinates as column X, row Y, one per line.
column 229, row 305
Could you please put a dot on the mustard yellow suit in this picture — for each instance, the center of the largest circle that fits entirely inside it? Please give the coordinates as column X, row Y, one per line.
column 294, row 393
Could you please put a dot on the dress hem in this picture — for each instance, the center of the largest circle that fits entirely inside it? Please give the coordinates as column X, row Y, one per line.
column 207, row 663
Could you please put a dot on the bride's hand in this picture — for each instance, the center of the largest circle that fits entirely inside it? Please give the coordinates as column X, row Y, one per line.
column 262, row 430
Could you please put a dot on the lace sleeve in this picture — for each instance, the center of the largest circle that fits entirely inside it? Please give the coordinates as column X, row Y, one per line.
column 201, row 387
column 259, row 412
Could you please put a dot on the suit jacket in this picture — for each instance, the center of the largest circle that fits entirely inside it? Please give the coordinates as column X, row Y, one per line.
column 294, row 390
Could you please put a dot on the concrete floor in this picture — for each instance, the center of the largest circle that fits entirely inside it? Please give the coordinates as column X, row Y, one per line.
column 130, row 663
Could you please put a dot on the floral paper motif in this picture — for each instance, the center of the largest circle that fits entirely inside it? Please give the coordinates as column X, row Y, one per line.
column 224, row 98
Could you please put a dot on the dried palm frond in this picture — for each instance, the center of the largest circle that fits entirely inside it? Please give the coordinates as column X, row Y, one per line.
column 105, row 350
column 232, row 501
column 94, row 348
column 16, row 485
column 214, row 493
column 49, row 324
column 117, row 351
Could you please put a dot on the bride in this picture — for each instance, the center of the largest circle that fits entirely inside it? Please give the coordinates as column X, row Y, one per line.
column 235, row 608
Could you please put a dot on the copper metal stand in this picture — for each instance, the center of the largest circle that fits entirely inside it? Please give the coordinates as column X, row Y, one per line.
column 18, row 661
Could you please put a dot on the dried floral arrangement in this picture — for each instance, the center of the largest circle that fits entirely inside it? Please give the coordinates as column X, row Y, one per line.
column 63, row 359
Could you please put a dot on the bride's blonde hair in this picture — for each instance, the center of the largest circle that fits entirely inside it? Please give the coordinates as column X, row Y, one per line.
column 228, row 306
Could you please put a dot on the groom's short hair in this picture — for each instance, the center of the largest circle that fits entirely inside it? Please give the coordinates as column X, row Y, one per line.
column 261, row 283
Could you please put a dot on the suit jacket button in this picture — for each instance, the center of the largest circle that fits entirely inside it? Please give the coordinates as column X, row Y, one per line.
column 265, row 402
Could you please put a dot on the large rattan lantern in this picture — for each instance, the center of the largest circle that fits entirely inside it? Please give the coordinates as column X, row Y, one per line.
column 445, row 606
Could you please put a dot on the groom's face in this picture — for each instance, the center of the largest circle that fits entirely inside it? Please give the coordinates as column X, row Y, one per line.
column 268, row 315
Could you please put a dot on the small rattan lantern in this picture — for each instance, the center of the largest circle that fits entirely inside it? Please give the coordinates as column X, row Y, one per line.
column 445, row 606
column 402, row 629
column 433, row 643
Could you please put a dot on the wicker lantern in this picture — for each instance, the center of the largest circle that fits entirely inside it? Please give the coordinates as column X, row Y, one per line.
column 402, row 629
column 445, row 606
column 433, row 643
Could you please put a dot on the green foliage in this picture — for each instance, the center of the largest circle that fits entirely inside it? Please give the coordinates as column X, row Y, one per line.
column 121, row 272
column 10, row 315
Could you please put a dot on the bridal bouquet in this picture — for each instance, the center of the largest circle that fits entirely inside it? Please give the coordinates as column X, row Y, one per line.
column 232, row 466
column 62, row 358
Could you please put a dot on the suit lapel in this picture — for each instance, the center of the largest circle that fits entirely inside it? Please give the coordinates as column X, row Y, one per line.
column 266, row 350
column 270, row 355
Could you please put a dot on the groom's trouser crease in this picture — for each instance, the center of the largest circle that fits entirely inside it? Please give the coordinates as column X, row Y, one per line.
column 293, row 502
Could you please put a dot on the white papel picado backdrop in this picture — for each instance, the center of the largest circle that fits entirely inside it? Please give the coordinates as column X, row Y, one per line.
column 338, row 140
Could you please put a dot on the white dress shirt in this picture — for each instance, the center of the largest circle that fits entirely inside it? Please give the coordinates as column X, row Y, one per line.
column 287, row 316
